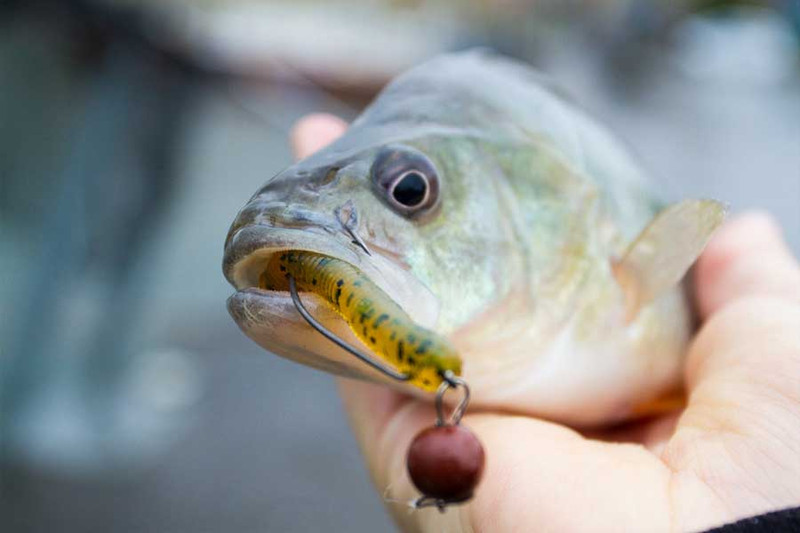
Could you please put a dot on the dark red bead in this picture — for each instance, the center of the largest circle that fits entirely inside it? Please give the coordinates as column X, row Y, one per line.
column 445, row 462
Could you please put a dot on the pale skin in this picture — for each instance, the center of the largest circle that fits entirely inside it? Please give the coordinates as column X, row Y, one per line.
column 733, row 452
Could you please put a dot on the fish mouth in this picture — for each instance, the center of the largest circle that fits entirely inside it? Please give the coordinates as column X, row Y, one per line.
column 250, row 249
column 269, row 317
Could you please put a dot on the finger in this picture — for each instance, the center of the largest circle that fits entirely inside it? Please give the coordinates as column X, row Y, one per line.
column 740, row 431
column 314, row 132
column 536, row 472
column 747, row 257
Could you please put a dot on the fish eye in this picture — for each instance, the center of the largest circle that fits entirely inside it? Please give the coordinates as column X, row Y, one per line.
column 410, row 189
column 406, row 179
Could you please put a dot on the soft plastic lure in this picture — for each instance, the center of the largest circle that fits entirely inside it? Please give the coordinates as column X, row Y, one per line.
column 374, row 317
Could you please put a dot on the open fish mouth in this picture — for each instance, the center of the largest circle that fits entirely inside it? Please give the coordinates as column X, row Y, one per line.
column 248, row 253
column 270, row 318
column 250, row 249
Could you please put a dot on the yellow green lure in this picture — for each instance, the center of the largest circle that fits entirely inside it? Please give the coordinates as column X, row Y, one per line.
column 374, row 317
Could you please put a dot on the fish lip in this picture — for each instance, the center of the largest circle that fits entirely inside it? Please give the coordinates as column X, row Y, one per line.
column 248, row 250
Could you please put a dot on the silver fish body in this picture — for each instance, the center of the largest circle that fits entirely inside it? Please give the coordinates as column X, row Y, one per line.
column 527, row 258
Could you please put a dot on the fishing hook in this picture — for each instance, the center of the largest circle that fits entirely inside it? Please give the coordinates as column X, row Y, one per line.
column 357, row 240
column 389, row 371
column 449, row 379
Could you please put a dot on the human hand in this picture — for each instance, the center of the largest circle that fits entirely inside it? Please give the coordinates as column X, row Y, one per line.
column 733, row 452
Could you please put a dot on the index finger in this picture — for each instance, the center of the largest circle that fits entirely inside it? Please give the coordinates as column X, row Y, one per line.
column 315, row 131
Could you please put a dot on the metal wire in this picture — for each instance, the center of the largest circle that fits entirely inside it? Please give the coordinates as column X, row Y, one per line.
column 378, row 365
column 451, row 381
column 442, row 505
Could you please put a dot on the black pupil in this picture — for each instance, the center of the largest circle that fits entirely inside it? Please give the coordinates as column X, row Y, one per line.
column 410, row 191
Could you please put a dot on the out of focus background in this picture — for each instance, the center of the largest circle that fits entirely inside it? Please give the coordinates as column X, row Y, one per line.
column 132, row 131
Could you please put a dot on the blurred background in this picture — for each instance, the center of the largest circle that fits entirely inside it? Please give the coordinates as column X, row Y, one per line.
column 132, row 131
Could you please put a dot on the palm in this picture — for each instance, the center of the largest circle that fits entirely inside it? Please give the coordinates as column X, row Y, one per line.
column 731, row 453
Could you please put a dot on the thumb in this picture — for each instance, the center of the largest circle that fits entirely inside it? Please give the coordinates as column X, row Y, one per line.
column 748, row 290
column 741, row 427
column 747, row 257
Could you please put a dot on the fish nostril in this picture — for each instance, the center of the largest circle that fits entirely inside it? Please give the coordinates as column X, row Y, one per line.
column 330, row 176
column 303, row 216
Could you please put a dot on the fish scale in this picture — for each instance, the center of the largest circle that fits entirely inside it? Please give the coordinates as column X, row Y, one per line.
column 372, row 315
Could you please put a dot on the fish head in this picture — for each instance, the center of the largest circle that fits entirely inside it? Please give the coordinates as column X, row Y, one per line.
column 418, row 215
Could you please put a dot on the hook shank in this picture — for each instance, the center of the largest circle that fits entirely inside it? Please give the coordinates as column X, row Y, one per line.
column 378, row 365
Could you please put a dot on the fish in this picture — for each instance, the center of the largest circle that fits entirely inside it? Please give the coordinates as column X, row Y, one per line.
column 499, row 216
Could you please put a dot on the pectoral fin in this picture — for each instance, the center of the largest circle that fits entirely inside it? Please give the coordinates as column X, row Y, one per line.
column 662, row 253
